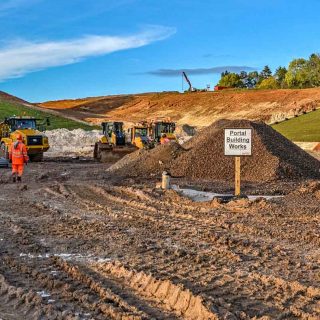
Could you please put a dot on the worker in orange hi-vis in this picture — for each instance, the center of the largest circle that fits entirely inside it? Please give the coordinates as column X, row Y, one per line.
column 164, row 139
column 18, row 155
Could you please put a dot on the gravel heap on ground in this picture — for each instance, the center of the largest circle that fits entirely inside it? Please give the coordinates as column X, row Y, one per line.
column 274, row 157
column 147, row 163
column 78, row 142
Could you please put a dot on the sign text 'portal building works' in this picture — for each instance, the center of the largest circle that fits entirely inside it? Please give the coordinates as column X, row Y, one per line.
column 237, row 142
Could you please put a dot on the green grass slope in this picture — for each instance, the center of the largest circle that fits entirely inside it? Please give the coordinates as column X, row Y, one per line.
column 305, row 128
column 8, row 109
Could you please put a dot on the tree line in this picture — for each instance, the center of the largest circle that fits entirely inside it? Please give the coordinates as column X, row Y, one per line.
column 301, row 73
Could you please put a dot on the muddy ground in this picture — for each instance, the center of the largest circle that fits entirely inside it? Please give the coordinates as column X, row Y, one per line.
column 75, row 244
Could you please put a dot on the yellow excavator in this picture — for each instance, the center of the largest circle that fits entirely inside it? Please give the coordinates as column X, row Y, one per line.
column 113, row 145
column 35, row 141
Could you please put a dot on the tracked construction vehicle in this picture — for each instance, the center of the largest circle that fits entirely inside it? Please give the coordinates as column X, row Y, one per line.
column 160, row 127
column 147, row 134
column 35, row 141
column 113, row 145
column 139, row 136
column 116, row 143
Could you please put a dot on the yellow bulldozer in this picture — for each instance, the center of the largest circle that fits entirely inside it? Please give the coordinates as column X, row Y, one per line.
column 147, row 134
column 158, row 128
column 36, row 142
column 116, row 143
column 139, row 136
column 113, row 145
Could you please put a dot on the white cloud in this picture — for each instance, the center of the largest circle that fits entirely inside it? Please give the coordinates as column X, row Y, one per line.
column 21, row 58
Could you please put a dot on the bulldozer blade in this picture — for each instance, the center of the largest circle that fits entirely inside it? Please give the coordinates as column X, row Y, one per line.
column 4, row 163
column 116, row 153
column 108, row 153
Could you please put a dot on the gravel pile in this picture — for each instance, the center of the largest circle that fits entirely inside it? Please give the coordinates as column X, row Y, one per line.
column 147, row 163
column 202, row 157
column 274, row 157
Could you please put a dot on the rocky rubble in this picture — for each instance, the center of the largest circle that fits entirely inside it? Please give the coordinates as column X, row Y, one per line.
column 64, row 142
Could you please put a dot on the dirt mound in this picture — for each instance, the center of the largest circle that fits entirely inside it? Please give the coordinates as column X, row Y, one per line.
column 148, row 162
column 274, row 157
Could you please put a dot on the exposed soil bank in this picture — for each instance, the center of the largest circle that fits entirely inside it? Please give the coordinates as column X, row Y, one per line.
column 196, row 109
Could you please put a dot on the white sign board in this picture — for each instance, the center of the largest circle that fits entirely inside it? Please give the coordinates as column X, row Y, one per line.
column 237, row 142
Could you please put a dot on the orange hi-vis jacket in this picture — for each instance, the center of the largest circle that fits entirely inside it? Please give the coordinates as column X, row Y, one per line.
column 164, row 140
column 19, row 154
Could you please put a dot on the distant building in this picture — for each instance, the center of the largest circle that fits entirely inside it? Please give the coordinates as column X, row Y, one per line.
column 219, row 88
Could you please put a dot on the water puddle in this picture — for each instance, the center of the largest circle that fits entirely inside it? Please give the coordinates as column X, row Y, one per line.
column 67, row 257
column 203, row 196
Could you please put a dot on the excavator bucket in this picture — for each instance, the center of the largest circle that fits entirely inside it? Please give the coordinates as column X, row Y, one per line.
column 109, row 153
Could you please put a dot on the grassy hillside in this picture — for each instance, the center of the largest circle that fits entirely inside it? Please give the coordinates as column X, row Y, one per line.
column 305, row 128
column 8, row 109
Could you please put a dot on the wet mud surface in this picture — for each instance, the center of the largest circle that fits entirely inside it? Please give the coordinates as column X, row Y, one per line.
column 76, row 244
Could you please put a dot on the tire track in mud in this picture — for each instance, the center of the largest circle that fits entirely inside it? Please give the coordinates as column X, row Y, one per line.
column 110, row 312
column 211, row 231
column 72, row 293
column 133, row 210
column 209, row 255
column 173, row 297
column 31, row 289
column 99, row 199
column 15, row 301
column 145, row 309
column 224, row 220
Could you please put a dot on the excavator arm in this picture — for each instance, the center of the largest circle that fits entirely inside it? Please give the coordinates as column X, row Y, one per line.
column 188, row 81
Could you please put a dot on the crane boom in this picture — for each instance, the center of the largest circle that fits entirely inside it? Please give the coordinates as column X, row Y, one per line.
column 188, row 81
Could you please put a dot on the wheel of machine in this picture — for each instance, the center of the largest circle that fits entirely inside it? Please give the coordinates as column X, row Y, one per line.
column 38, row 157
column 4, row 151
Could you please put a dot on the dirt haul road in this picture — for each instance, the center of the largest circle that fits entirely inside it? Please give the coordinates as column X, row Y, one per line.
column 75, row 244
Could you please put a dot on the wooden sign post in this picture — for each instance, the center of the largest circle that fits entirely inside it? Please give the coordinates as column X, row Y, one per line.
column 237, row 143
column 237, row 177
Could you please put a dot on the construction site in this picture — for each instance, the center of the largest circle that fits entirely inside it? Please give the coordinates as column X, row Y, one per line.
column 137, row 218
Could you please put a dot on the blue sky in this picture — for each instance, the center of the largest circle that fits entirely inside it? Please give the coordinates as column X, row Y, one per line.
column 67, row 49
